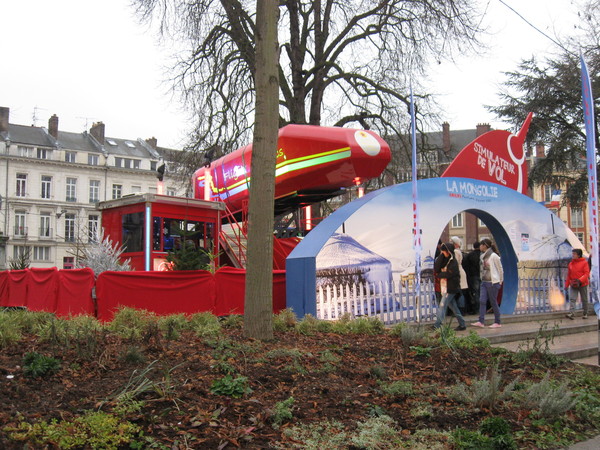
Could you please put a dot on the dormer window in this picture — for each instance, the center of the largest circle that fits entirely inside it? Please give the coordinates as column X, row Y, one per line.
column 111, row 142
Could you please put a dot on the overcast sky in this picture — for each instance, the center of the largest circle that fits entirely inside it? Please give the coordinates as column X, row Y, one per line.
column 89, row 61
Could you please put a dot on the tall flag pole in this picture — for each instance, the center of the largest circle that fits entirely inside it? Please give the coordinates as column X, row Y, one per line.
column 590, row 139
column 415, row 198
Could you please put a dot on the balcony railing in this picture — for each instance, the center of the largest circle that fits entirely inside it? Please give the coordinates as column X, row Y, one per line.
column 20, row 231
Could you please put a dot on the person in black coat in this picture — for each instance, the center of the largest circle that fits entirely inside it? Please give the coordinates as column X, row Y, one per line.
column 471, row 266
column 446, row 268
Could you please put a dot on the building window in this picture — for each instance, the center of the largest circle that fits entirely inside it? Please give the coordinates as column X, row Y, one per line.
column 457, row 221
column 71, row 190
column 136, row 189
column 93, row 222
column 25, row 152
column 581, row 237
column 92, row 159
column 21, row 185
column 20, row 223
column 45, row 230
column 152, row 165
column 21, row 251
column 118, row 162
column 127, row 162
column 117, row 191
column 43, row 153
column 576, row 218
column 152, row 190
column 70, row 157
column 480, row 223
column 171, row 192
column 46, row 184
column 136, row 163
column 69, row 227
column 41, row 253
column 68, row 262
column 94, row 191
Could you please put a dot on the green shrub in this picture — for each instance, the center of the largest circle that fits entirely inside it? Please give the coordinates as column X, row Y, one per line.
column 231, row 387
column 205, row 324
column 470, row 440
column 422, row 410
column 470, row 341
column 548, row 400
column 95, row 429
column 317, row 436
column 495, row 426
column 10, row 332
column 173, row 325
column 378, row 373
column 360, row 325
column 310, row 325
column 410, row 335
column 232, row 321
column 377, row 433
column 130, row 323
column 484, row 392
column 282, row 412
column 38, row 365
column 397, row 388
column 284, row 321
column 421, row 351
column 133, row 355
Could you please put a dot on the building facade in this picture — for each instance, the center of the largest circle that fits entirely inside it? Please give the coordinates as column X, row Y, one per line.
column 52, row 181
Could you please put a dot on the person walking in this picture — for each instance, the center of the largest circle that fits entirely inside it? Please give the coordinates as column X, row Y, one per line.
column 471, row 266
column 446, row 268
column 578, row 279
column 461, row 297
column 492, row 276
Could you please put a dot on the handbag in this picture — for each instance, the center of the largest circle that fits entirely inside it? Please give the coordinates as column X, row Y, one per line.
column 576, row 283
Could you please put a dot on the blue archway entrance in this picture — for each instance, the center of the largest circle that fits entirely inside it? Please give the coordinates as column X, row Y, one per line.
column 381, row 222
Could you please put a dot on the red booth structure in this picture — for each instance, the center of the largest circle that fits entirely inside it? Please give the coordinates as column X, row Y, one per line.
column 148, row 226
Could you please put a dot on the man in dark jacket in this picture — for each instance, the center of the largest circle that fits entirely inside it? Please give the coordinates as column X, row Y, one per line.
column 471, row 266
column 446, row 268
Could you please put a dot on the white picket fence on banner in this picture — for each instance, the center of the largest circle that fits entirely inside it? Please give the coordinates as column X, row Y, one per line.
column 396, row 302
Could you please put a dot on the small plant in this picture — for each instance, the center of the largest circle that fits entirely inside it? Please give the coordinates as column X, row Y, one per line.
column 173, row 325
column 95, row 429
column 397, row 388
column 377, row 432
column 378, row 373
column 284, row 321
column 486, row 391
column 38, row 365
column 422, row 410
column 549, row 400
column 282, row 412
column 205, row 324
column 472, row 440
column 316, row 436
column 232, row 321
column 133, row 355
column 421, row 351
column 231, row 387
column 470, row 341
column 360, row 325
column 102, row 256
column 131, row 323
column 310, row 325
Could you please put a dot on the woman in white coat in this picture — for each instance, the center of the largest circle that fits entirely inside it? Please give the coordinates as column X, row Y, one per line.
column 492, row 276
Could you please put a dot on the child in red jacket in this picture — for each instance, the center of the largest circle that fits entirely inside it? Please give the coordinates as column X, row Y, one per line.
column 578, row 278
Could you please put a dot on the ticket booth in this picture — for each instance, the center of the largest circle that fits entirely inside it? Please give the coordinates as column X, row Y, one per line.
column 148, row 226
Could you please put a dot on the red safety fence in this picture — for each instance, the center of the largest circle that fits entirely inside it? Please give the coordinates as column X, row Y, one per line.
column 69, row 292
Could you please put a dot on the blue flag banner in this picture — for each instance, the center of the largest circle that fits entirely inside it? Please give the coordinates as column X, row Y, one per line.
column 415, row 199
column 590, row 139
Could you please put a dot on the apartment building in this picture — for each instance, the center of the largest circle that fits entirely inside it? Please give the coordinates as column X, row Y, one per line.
column 52, row 181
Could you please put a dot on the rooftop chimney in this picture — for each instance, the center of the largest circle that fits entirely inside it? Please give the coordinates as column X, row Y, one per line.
column 97, row 131
column 540, row 151
column 152, row 142
column 53, row 126
column 446, row 136
column 483, row 128
column 4, row 113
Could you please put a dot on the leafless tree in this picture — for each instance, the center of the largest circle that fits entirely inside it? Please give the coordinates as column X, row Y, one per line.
column 340, row 61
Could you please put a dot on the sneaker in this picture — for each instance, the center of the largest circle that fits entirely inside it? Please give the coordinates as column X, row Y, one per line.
column 460, row 328
column 478, row 324
column 570, row 316
column 495, row 325
column 585, row 316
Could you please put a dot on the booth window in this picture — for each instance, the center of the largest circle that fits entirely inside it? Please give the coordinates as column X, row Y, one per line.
column 168, row 234
column 133, row 232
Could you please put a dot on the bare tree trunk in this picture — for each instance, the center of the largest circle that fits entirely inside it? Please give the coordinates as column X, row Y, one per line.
column 259, row 275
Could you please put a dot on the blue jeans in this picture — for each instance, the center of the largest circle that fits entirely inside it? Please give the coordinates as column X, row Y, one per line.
column 489, row 292
column 448, row 301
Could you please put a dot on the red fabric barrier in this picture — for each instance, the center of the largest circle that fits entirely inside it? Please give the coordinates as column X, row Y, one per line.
column 161, row 292
column 17, row 288
column 282, row 247
column 4, row 288
column 231, row 288
column 74, row 295
column 42, row 289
